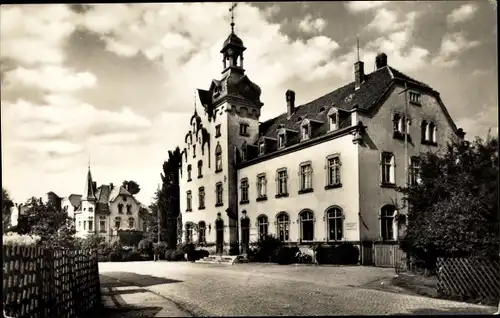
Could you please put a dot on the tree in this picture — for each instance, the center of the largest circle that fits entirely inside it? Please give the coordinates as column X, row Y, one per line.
column 7, row 204
column 454, row 208
column 131, row 186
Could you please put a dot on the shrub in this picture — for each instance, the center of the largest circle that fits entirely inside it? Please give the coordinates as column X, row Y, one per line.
column 285, row 255
column 303, row 258
column 160, row 249
column 202, row 254
column 13, row 238
column 266, row 248
column 145, row 246
column 131, row 256
column 186, row 248
column 344, row 254
column 174, row 255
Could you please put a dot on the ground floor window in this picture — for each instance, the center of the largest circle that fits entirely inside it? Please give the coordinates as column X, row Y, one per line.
column 202, row 232
column 262, row 225
column 306, row 226
column 335, row 224
column 283, row 227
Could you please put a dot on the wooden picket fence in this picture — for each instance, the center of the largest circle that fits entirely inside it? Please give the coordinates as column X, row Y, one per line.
column 469, row 278
column 41, row 283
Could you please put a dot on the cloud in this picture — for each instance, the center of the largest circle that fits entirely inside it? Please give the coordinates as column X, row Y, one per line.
column 51, row 78
column 33, row 34
column 486, row 118
column 463, row 13
column 386, row 20
column 310, row 25
column 452, row 45
column 360, row 6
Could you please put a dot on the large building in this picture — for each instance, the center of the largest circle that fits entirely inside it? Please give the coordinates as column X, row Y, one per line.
column 105, row 210
column 325, row 171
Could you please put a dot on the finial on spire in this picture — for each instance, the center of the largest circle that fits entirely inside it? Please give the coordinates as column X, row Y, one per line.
column 89, row 162
column 233, row 6
column 357, row 44
column 194, row 101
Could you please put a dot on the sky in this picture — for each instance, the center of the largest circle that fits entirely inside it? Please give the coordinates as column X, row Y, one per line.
column 114, row 83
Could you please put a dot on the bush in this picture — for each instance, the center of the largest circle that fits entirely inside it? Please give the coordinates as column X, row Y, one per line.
column 13, row 238
column 303, row 258
column 160, row 249
column 344, row 254
column 202, row 254
column 285, row 255
column 145, row 246
column 131, row 256
column 266, row 248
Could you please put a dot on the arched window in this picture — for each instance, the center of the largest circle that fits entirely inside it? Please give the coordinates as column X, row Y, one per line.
column 202, row 232
column 189, row 168
column 189, row 232
column 201, row 198
column 333, row 116
column 200, row 166
column 218, row 158
column 423, row 131
column 283, row 224
column 130, row 223
column 189, row 199
column 306, row 226
column 387, row 222
column 263, row 226
column 432, row 132
column 335, row 224
column 120, row 208
column 129, row 209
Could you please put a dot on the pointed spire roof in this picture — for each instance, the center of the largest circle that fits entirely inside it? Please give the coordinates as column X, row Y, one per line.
column 88, row 192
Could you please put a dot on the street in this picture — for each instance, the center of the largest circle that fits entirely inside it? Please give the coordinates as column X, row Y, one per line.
column 191, row 289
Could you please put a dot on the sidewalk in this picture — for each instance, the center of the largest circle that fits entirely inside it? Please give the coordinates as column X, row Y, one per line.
column 120, row 299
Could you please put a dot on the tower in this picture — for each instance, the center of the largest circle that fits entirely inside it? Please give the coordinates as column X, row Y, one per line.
column 88, row 204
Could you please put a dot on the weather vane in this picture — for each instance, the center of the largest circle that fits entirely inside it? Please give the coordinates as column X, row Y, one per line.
column 233, row 6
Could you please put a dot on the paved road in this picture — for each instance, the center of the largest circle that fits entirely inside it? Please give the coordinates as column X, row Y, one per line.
column 260, row 289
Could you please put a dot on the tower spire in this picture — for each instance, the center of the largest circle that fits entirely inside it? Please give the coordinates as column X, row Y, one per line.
column 233, row 6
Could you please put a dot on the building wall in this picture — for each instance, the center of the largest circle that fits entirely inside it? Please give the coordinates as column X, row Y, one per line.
column 83, row 217
column 378, row 138
column 318, row 201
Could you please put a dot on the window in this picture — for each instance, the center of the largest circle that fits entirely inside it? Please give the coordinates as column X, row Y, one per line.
column 91, row 209
column 387, row 165
column 217, row 131
column 335, row 224
column 118, row 222
column 414, row 171
column 218, row 193
column 91, row 225
column 84, row 225
column 130, row 223
column 102, row 226
column 189, row 232
column 201, row 198
column 200, row 166
column 428, row 132
column 282, row 182
column 306, row 226
column 129, row 209
column 333, row 116
column 432, row 132
column 306, row 177
column 79, row 224
column 262, row 226
column 189, row 201
column 283, row 227
column 305, row 131
column 189, row 168
column 262, row 148
column 415, row 98
column 202, row 232
column 387, row 222
column 401, row 123
column 218, row 158
column 244, row 129
column 333, row 173
column 244, row 152
column 120, row 208
column 244, row 190
column 261, row 186
column 281, row 140
column 194, row 151
column 144, row 226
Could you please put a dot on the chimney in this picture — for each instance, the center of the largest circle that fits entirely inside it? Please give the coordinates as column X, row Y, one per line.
column 461, row 133
column 111, row 185
column 380, row 60
column 359, row 74
column 290, row 102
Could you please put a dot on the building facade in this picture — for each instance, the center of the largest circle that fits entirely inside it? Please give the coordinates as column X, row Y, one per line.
column 325, row 171
column 105, row 210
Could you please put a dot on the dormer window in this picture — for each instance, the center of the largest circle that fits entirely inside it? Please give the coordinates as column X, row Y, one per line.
column 262, row 148
column 216, row 91
column 414, row 98
column 305, row 130
column 281, row 140
column 244, row 153
column 333, row 118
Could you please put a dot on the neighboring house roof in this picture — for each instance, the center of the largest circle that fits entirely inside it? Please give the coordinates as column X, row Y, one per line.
column 117, row 191
column 102, row 194
column 75, row 200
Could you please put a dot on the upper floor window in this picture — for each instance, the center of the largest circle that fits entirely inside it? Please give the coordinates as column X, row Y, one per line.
column 333, row 171
column 306, row 172
column 262, row 148
column 218, row 194
column 201, row 198
column 387, row 168
column 244, row 129
column 217, row 131
column 102, row 225
column 91, row 209
column 428, row 132
column 281, row 140
column 244, row 190
column 333, row 118
column 305, row 131
column 281, row 182
column 130, row 223
column 120, row 208
column 414, row 98
column 189, row 168
column 261, row 186
column 129, row 209
column 118, row 222
column 189, row 200
column 387, row 214
column 218, row 158
column 401, row 123
column 414, row 171
column 200, row 166
column 194, row 151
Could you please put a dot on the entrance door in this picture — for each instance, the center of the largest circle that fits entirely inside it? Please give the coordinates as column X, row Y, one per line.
column 245, row 235
column 219, row 236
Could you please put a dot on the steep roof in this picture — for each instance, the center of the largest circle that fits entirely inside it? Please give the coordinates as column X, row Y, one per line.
column 102, row 195
column 117, row 191
column 75, row 200
column 88, row 192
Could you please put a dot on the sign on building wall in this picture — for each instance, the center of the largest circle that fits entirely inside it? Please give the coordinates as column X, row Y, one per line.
column 351, row 226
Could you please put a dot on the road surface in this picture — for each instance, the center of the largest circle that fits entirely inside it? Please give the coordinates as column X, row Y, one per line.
column 262, row 290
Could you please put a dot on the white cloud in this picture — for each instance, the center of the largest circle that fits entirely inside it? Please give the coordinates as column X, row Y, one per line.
column 462, row 13
column 386, row 20
column 310, row 25
column 359, row 6
column 51, row 78
column 452, row 45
